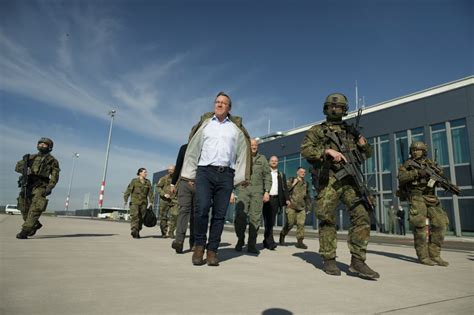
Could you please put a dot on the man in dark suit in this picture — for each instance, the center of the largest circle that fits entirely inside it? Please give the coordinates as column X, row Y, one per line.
column 278, row 198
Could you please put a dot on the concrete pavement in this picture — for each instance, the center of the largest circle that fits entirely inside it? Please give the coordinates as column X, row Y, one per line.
column 95, row 267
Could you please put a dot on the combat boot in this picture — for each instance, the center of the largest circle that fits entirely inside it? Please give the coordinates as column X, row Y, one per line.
column 178, row 246
column 239, row 245
column 330, row 267
column 252, row 249
column 439, row 261
column 282, row 239
column 23, row 235
column 300, row 244
column 426, row 261
column 198, row 255
column 134, row 234
column 360, row 267
column 171, row 234
column 211, row 258
column 37, row 226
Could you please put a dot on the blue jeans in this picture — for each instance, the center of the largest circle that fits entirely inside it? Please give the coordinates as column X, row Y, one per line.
column 213, row 188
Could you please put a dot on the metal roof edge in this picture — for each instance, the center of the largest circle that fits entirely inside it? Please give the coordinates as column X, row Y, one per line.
column 442, row 88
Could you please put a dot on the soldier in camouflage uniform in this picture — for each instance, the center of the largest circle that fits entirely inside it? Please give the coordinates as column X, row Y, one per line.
column 300, row 202
column 416, row 187
column 168, row 204
column 43, row 175
column 250, row 199
column 322, row 153
column 141, row 194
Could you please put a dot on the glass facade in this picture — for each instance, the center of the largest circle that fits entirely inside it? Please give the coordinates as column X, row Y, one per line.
column 449, row 145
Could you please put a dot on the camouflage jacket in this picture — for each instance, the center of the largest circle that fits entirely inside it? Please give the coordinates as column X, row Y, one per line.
column 43, row 168
column 164, row 187
column 243, row 163
column 141, row 193
column 409, row 178
column 316, row 142
column 299, row 195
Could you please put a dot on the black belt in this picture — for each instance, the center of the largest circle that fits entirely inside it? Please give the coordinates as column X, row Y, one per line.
column 220, row 169
column 273, row 196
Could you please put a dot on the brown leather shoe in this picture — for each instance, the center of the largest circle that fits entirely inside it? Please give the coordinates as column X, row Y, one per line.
column 211, row 258
column 198, row 256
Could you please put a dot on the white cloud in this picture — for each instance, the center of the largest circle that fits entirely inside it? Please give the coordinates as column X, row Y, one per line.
column 122, row 167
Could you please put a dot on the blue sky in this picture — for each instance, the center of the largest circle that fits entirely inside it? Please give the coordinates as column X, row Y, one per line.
column 65, row 64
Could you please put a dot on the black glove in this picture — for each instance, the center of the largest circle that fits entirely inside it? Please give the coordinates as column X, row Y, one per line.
column 352, row 130
column 26, row 156
column 422, row 173
column 47, row 192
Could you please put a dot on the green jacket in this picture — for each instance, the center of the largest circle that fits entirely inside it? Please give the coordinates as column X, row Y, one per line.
column 299, row 195
column 410, row 180
column 142, row 193
column 164, row 187
column 261, row 179
column 243, row 163
column 44, row 168
column 316, row 142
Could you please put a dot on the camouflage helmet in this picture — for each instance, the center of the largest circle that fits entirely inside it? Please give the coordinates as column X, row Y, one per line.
column 47, row 141
column 418, row 145
column 336, row 99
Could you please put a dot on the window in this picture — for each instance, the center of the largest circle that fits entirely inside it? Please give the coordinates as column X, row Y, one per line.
column 403, row 152
column 385, row 153
column 417, row 135
column 440, row 145
column 370, row 162
column 460, row 142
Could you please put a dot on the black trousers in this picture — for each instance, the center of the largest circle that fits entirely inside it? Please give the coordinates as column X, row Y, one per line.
column 269, row 212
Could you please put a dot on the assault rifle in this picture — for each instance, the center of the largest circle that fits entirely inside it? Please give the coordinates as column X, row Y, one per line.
column 351, row 169
column 23, row 180
column 435, row 177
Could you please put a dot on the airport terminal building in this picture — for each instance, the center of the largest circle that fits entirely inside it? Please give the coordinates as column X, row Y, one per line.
column 441, row 116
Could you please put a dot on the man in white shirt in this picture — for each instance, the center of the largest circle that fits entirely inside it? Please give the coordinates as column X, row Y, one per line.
column 217, row 158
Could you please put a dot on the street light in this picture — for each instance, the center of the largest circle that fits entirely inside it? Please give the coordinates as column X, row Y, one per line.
column 102, row 186
column 75, row 156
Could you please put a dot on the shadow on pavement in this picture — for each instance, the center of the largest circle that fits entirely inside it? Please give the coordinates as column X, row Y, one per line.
column 393, row 255
column 276, row 311
column 316, row 260
column 151, row 236
column 72, row 235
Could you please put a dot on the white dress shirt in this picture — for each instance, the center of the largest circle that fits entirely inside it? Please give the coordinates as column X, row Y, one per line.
column 219, row 143
column 274, row 189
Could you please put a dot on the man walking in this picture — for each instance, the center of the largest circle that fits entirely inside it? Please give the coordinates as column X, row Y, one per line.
column 300, row 202
column 218, row 158
column 250, row 199
column 278, row 199
column 40, row 174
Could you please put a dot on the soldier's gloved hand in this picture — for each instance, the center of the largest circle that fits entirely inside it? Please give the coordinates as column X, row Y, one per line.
column 47, row 192
column 354, row 131
column 25, row 156
column 422, row 173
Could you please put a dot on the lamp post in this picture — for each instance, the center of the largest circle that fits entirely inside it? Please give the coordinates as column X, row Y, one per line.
column 75, row 156
column 102, row 186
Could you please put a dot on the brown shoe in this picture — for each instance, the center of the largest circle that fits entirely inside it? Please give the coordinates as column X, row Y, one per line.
column 212, row 258
column 198, row 256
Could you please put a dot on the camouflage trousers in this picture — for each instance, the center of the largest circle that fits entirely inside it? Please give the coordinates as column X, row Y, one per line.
column 294, row 217
column 248, row 209
column 168, row 216
column 137, row 214
column 421, row 208
column 359, row 232
column 32, row 208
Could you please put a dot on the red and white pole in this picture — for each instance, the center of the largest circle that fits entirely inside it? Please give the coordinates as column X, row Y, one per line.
column 101, row 194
